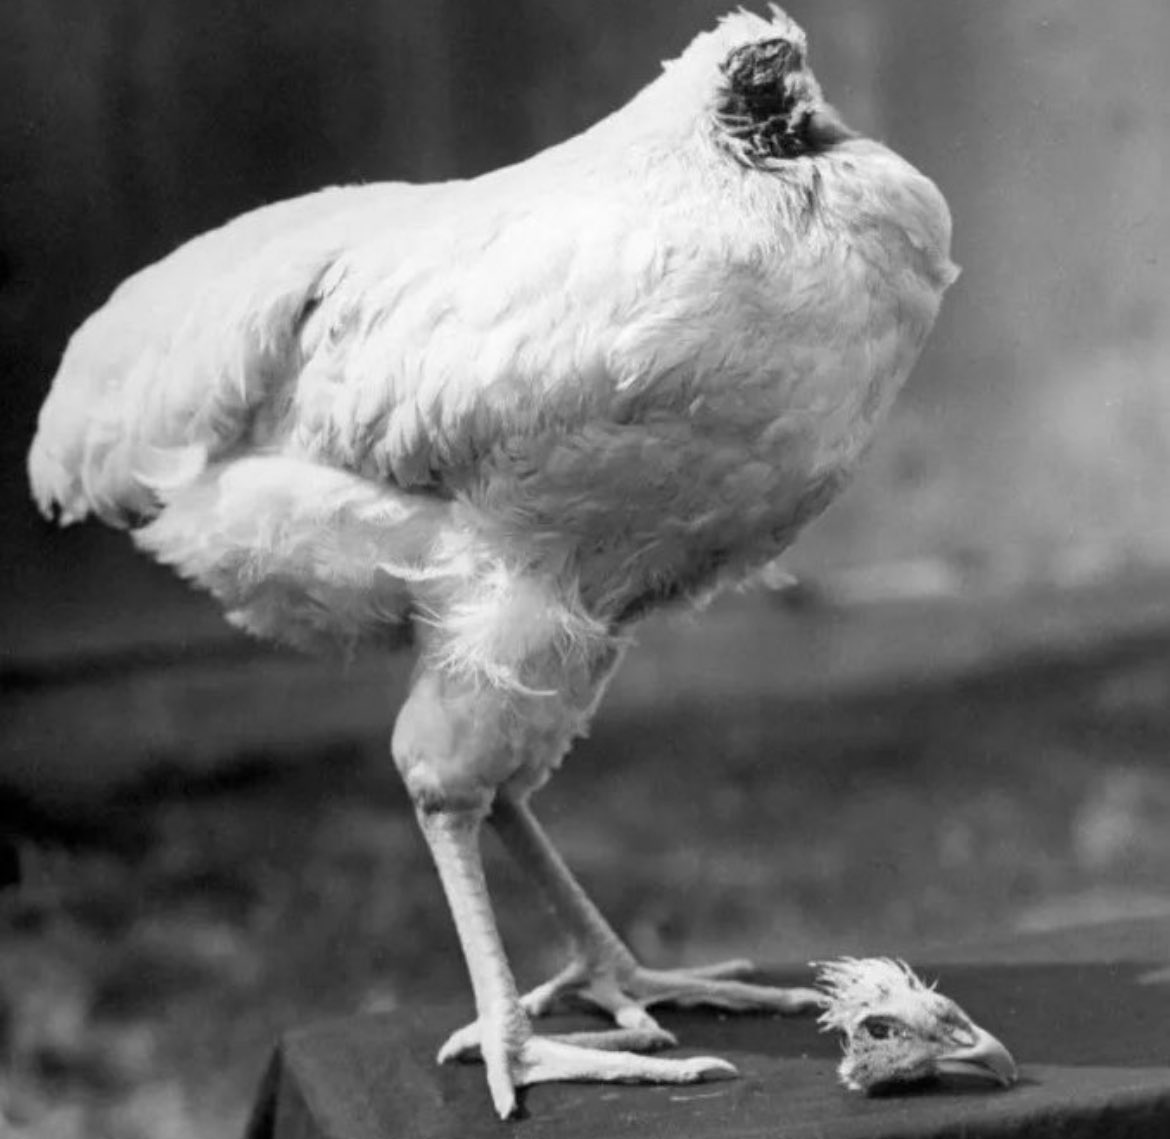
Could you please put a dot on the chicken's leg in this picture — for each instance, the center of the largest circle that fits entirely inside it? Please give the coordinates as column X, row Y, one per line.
column 604, row 972
column 513, row 1055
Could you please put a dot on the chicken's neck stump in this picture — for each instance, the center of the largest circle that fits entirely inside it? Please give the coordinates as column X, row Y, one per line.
column 520, row 411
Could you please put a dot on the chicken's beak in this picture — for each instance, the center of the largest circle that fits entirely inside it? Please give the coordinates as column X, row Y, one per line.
column 985, row 1057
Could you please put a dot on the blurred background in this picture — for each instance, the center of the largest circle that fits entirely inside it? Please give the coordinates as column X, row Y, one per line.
column 956, row 727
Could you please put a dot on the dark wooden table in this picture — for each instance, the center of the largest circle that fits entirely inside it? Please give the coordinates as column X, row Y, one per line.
column 1086, row 1013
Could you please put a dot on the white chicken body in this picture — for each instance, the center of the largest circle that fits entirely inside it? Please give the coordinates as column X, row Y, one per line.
column 526, row 408
column 622, row 371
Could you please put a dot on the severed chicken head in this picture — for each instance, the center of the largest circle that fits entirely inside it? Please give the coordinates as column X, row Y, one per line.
column 898, row 1030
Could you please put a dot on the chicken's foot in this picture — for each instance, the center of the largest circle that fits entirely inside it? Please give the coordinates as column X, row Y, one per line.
column 513, row 1055
column 604, row 973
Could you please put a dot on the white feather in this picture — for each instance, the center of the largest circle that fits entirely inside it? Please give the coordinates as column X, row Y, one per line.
column 857, row 985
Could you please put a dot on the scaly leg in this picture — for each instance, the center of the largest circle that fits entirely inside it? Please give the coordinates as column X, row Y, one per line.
column 604, row 972
column 513, row 1055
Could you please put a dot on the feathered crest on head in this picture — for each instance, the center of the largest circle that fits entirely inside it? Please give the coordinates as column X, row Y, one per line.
column 853, row 985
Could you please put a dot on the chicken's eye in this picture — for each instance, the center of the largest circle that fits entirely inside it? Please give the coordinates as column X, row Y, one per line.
column 877, row 1028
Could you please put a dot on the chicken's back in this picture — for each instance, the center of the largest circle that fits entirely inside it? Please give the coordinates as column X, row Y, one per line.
column 99, row 398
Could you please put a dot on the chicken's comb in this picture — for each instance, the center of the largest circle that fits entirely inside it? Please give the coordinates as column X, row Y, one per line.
column 853, row 983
